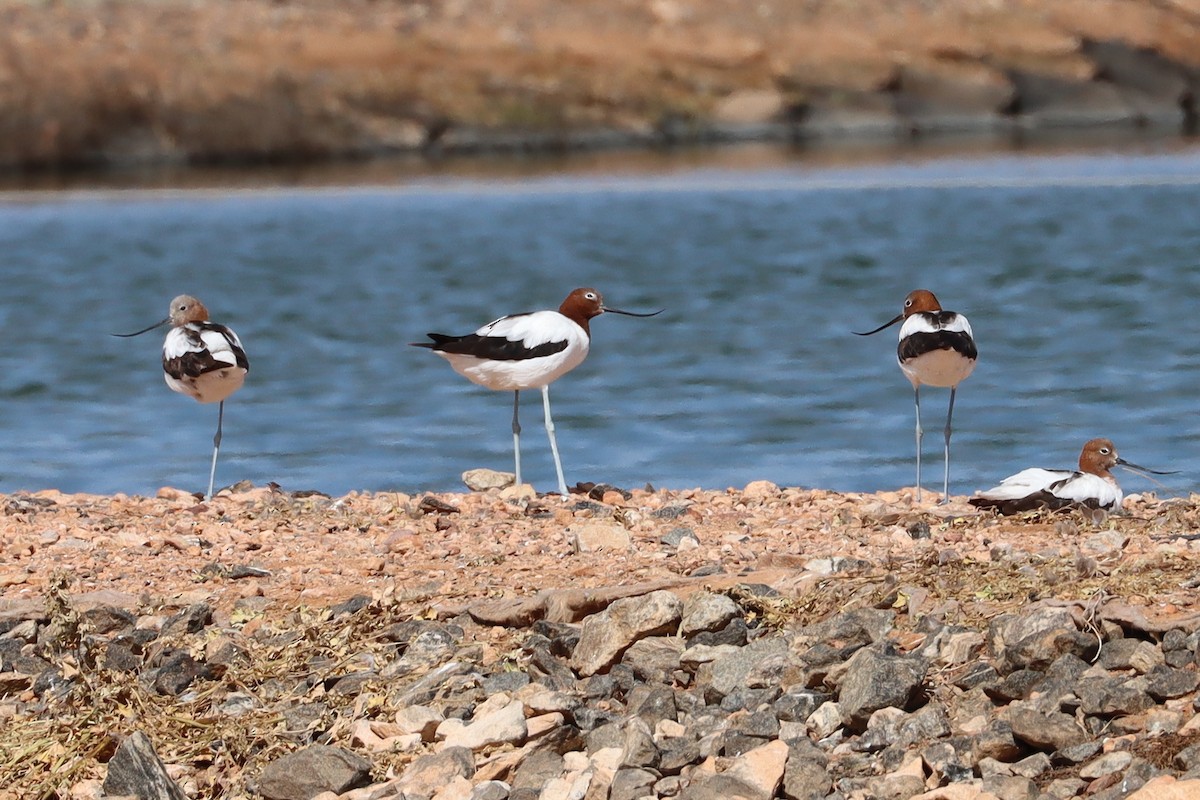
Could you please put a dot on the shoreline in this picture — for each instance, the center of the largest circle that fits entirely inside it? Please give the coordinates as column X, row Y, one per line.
column 252, row 638
column 131, row 84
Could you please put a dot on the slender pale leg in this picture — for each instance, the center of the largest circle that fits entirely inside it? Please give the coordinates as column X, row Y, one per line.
column 562, row 483
column 517, row 434
column 920, row 433
column 212, row 473
column 946, row 474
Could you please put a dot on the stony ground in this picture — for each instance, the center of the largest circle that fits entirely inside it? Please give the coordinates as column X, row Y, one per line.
column 761, row 643
column 122, row 82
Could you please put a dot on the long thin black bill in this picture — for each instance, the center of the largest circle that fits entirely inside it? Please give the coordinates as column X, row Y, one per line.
column 143, row 330
column 881, row 327
column 633, row 313
column 1125, row 463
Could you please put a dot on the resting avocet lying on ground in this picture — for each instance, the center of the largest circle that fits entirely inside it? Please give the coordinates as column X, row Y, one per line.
column 1091, row 486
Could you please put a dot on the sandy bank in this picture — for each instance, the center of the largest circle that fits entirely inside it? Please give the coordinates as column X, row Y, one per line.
column 133, row 82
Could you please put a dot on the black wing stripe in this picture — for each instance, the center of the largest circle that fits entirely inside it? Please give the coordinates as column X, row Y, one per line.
column 193, row 365
column 492, row 348
column 918, row 344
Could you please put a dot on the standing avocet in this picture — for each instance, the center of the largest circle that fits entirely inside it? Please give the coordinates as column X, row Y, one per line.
column 1091, row 486
column 936, row 349
column 201, row 359
column 527, row 351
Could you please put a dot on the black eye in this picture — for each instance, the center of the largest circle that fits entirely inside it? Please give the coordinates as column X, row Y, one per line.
column 590, row 295
column 1104, row 451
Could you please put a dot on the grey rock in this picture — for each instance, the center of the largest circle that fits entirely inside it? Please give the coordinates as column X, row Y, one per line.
column 135, row 769
column 350, row 606
column 654, row 658
column 735, row 633
column 798, row 704
column 605, row 636
column 122, row 656
column 602, row 737
column 536, row 770
column 925, row 724
column 873, row 681
column 588, row 719
column 490, row 790
column 762, row 724
column 997, row 741
column 673, row 537
column 1063, row 788
column 1044, row 731
column 108, row 619
column 508, row 682
column 1106, row 764
column 1076, row 754
column 806, row 776
column 949, row 759
column 749, row 699
column 193, row 619
column 1164, row 682
column 1010, row 787
column 707, row 611
column 428, row 647
column 1188, row 758
column 859, row 627
column 657, row 704
column 734, row 744
column 308, row 772
column 759, row 663
column 1032, row 766
column 976, row 674
column 177, row 673
column 637, row 746
column 1016, row 685
column 630, row 784
column 1035, row 638
column 668, row 786
column 1111, row 696
column 676, row 754
column 1134, row 654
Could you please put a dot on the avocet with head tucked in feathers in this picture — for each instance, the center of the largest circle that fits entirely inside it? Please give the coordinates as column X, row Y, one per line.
column 1091, row 486
column 527, row 351
column 936, row 349
column 201, row 359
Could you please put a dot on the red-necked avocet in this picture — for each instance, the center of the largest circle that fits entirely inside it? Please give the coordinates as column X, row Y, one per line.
column 201, row 359
column 1091, row 486
column 936, row 349
column 527, row 351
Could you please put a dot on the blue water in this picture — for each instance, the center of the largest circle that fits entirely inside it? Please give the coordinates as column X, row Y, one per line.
column 1080, row 275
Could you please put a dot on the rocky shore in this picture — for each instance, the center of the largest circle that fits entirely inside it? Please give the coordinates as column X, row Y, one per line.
column 132, row 82
column 763, row 642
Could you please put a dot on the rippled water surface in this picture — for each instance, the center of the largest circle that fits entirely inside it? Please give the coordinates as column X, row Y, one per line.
column 1080, row 275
